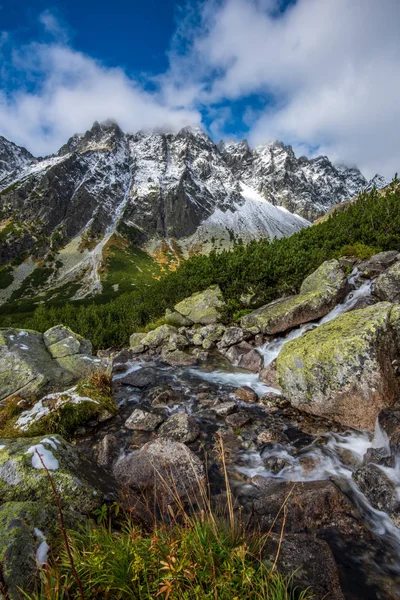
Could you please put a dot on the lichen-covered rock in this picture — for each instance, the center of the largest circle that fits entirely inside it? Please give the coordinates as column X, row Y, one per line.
column 343, row 369
column 158, row 337
column 232, row 336
column 26, row 528
column 387, row 285
column 61, row 341
column 136, row 339
column 319, row 293
column 82, row 484
column 26, row 367
column 213, row 333
column 180, row 427
column 172, row 317
column 203, row 307
column 164, row 468
column 378, row 263
column 177, row 358
column 142, row 420
column 380, row 490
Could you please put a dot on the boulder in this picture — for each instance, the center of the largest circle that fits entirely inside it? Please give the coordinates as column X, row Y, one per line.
column 380, row 490
column 310, row 506
column 107, row 451
column 177, row 358
column 26, row 529
column 308, row 561
column 378, row 263
column 136, row 339
column 225, row 408
column 232, row 336
column 158, row 337
column 234, row 353
column 140, row 378
column 172, row 317
column 26, row 367
column 203, row 307
column 251, row 361
column 238, row 419
column 180, row 427
column 343, row 369
column 387, row 285
column 61, row 341
column 268, row 375
column 319, row 293
column 165, row 469
column 141, row 420
column 83, row 485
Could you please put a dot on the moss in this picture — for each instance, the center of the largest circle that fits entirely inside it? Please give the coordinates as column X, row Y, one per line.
column 332, row 347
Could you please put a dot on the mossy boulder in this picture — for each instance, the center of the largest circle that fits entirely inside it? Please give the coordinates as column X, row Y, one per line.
column 203, row 307
column 82, row 485
column 172, row 317
column 136, row 339
column 319, row 294
column 387, row 285
column 343, row 369
column 26, row 529
column 61, row 341
column 62, row 412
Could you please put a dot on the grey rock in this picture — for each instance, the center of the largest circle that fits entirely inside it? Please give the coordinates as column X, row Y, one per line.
column 251, row 361
column 387, row 285
column 180, row 427
column 140, row 420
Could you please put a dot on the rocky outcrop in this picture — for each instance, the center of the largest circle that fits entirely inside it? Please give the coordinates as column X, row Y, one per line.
column 319, row 293
column 82, row 484
column 203, row 308
column 32, row 363
column 343, row 369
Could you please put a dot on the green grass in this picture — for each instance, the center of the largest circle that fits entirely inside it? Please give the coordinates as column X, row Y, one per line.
column 196, row 560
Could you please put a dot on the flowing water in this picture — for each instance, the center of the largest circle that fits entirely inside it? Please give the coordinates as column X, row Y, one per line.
column 332, row 454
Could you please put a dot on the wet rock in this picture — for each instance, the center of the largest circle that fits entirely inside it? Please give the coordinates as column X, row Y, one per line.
column 379, row 489
column 387, row 285
column 161, row 397
column 141, row 420
column 238, row 419
column 389, row 421
column 343, row 369
column 310, row 506
column 120, row 361
column 232, row 336
column 268, row 375
column 225, row 408
column 82, row 484
column 203, row 307
column 309, row 561
column 234, row 353
column 163, row 469
column 269, row 436
column 319, row 293
column 251, row 361
column 172, row 317
column 107, row 451
column 363, row 303
column 178, row 358
column 275, row 464
column 180, row 427
column 271, row 399
column 380, row 456
column 141, row 378
column 247, row 394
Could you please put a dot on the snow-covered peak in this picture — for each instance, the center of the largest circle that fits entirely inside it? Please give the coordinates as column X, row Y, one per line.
column 13, row 158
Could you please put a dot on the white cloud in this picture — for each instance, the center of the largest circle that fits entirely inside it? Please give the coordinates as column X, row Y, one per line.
column 332, row 67
column 71, row 91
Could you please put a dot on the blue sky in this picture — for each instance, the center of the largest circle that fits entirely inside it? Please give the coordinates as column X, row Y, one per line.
column 321, row 75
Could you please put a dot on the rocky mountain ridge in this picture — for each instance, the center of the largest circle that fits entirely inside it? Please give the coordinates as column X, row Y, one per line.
column 171, row 195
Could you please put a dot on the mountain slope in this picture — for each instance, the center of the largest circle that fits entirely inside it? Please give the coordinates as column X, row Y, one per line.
column 171, row 195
